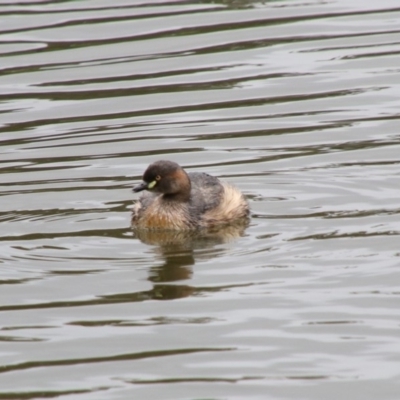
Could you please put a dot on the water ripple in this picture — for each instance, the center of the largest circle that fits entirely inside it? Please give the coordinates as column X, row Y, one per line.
column 294, row 102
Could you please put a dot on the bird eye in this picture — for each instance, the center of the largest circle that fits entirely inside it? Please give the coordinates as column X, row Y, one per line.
column 158, row 177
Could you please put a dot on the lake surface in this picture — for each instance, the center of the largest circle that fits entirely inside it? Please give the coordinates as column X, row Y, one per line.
column 296, row 103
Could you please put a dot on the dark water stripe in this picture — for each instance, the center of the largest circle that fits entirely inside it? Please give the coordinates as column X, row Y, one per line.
column 45, row 394
column 206, row 106
column 120, row 357
column 159, row 292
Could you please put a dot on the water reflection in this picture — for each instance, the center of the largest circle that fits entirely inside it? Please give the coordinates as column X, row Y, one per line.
column 172, row 241
column 178, row 251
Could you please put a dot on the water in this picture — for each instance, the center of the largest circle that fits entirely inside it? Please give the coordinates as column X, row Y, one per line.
column 296, row 103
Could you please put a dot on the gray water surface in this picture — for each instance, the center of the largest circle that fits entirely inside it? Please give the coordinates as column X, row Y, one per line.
column 296, row 103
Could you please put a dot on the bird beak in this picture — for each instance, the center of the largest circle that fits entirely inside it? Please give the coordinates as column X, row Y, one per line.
column 139, row 188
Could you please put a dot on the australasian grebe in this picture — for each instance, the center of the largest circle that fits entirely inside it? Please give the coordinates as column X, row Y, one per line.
column 176, row 200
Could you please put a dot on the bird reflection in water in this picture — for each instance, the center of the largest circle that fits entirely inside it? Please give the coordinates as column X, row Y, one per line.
column 179, row 251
